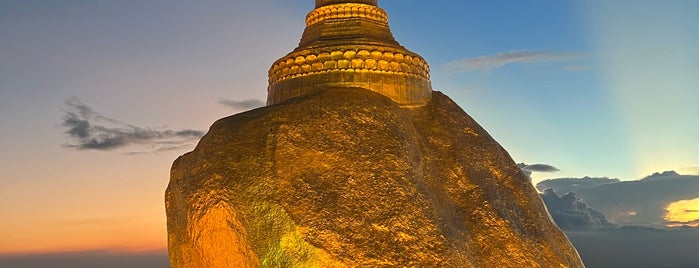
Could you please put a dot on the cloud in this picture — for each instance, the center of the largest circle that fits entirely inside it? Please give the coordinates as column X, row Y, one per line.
column 90, row 130
column 541, row 168
column 243, row 104
column 640, row 202
column 564, row 185
column 105, row 221
column 570, row 212
column 529, row 169
column 492, row 62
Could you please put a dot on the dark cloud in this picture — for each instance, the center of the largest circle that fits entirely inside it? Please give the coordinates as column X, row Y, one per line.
column 541, row 168
column 87, row 260
column 639, row 202
column 90, row 130
column 529, row 169
column 687, row 225
column 491, row 62
column 637, row 210
column 243, row 104
column 572, row 213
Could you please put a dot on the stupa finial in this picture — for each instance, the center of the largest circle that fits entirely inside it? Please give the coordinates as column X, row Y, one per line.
column 348, row 44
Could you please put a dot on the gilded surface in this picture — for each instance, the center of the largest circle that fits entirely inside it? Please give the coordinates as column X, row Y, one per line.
column 340, row 174
column 348, row 44
column 349, row 178
column 346, row 10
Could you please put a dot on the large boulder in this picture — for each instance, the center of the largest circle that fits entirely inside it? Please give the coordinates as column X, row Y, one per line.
column 348, row 178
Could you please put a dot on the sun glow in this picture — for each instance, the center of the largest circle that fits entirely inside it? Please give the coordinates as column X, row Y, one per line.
column 684, row 212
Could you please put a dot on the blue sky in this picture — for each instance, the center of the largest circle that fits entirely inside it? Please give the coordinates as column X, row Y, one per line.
column 602, row 88
column 599, row 88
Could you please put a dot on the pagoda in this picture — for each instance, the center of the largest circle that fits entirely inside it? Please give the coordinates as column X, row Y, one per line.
column 349, row 44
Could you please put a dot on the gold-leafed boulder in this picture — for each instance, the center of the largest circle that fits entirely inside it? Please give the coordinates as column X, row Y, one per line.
column 349, row 178
column 355, row 162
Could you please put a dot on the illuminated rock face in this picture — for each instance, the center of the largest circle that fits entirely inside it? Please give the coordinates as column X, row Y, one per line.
column 348, row 178
column 355, row 163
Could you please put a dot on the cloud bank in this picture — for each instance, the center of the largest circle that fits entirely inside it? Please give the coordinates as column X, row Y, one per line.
column 492, row 62
column 90, row 130
column 641, row 202
column 637, row 222
column 570, row 212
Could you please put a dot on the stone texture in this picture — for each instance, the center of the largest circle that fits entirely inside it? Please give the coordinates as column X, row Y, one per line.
column 348, row 178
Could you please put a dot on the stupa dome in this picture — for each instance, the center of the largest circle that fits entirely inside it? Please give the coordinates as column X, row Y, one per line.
column 348, row 44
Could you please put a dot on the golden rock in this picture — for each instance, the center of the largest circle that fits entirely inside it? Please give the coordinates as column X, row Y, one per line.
column 341, row 173
column 348, row 178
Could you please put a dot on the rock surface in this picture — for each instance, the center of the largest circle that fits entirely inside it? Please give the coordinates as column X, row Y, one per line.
column 347, row 178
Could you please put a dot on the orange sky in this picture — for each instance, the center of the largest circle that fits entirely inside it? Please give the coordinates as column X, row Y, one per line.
column 683, row 211
column 80, row 204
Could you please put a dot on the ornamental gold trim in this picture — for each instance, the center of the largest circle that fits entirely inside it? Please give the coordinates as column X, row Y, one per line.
column 349, row 10
column 349, row 44
column 376, row 61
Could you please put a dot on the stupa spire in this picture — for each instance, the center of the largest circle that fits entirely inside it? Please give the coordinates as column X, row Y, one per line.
column 348, row 44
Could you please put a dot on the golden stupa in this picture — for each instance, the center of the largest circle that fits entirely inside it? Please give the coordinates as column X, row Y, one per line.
column 355, row 162
column 349, row 44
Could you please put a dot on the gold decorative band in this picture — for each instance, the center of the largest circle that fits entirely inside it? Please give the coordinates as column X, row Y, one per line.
column 349, row 10
column 320, row 3
column 348, row 44
column 299, row 65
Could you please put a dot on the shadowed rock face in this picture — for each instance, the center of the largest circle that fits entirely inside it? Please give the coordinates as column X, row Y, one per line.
column 348, row 178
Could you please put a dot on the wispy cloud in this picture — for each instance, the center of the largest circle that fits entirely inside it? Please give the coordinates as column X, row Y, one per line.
column 242, row 104
column 529, row 169
column 491, row 62
column 90, row 130
column 95, row 221
column 541, row 168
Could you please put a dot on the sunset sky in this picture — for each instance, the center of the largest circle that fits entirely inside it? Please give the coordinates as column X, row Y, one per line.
column 594, row 88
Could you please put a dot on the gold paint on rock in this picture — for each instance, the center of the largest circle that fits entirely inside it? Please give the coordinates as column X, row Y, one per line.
column 337, row 172
column 349, row 178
